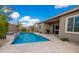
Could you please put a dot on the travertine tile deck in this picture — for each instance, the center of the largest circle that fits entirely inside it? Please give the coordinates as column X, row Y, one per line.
column 53, row 46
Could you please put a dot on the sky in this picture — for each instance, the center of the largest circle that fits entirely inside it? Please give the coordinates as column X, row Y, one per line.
column 30, row 14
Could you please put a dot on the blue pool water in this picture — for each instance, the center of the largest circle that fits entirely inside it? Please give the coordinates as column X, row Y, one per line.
column 28, row 37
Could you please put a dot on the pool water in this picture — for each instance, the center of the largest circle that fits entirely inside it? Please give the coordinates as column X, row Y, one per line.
column 28, row 38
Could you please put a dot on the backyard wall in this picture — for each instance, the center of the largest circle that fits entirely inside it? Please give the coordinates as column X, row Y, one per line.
column 62, row 34
column 12, row 28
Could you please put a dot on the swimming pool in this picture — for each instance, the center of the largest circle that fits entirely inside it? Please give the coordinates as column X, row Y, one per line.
column 28, row 38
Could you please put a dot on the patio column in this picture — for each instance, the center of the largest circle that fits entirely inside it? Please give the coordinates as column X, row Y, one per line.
column 51, row 29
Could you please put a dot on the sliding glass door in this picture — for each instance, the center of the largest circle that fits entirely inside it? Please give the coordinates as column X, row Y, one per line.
column 55, row 29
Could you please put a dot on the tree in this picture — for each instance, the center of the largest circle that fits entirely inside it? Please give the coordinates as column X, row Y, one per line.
column 3, row 26
column 32, row 28
column 4, row 12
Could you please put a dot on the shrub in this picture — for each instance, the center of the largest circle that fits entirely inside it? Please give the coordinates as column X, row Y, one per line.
column 23, row 29
column 32, row 28
column 3, row 26
column 27, row 30
column 64, row 39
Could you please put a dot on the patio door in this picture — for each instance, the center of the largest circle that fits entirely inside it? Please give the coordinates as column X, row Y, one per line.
column 55, row 29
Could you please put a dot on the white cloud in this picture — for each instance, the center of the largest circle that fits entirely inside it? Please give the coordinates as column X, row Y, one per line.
column 25, row 25
column 27, row 21
column 61, row 6
column 15, row 15
column 33, row 21
column 25, row 18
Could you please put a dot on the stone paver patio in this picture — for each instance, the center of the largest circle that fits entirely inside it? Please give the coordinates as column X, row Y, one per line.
column 53, row 46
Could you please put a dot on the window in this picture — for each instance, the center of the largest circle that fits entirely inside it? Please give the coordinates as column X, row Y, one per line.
column 73, row 24
column 39, row 27
column 76, row 26
column 70, row 24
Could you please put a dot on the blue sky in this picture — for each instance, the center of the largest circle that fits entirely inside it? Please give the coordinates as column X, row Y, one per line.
column 41, row 12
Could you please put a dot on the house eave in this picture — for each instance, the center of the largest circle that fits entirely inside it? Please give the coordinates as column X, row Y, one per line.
column 62, row 14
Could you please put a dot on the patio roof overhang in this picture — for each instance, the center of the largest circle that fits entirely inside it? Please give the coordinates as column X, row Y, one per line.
column 51, row 20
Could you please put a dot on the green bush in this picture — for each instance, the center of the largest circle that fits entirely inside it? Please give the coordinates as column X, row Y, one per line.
column 23, row 29
column 64, row 39
column 32, row 28
column 2, row 35
column 3, row 26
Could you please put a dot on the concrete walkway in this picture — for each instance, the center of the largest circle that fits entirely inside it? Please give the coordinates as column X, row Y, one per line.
column 53, row 46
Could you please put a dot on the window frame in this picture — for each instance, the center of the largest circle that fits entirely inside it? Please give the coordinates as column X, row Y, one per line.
column 67, row 18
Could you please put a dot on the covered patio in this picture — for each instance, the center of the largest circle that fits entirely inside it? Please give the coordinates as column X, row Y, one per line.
column 52, row 26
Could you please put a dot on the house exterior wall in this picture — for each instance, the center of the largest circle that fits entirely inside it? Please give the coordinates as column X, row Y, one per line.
column 47, row 27
column 42, row 28
column 62, row 26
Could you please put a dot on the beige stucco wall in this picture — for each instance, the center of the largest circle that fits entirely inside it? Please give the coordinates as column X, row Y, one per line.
column 48, row 27
column 62, row 25
column 42, row 29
